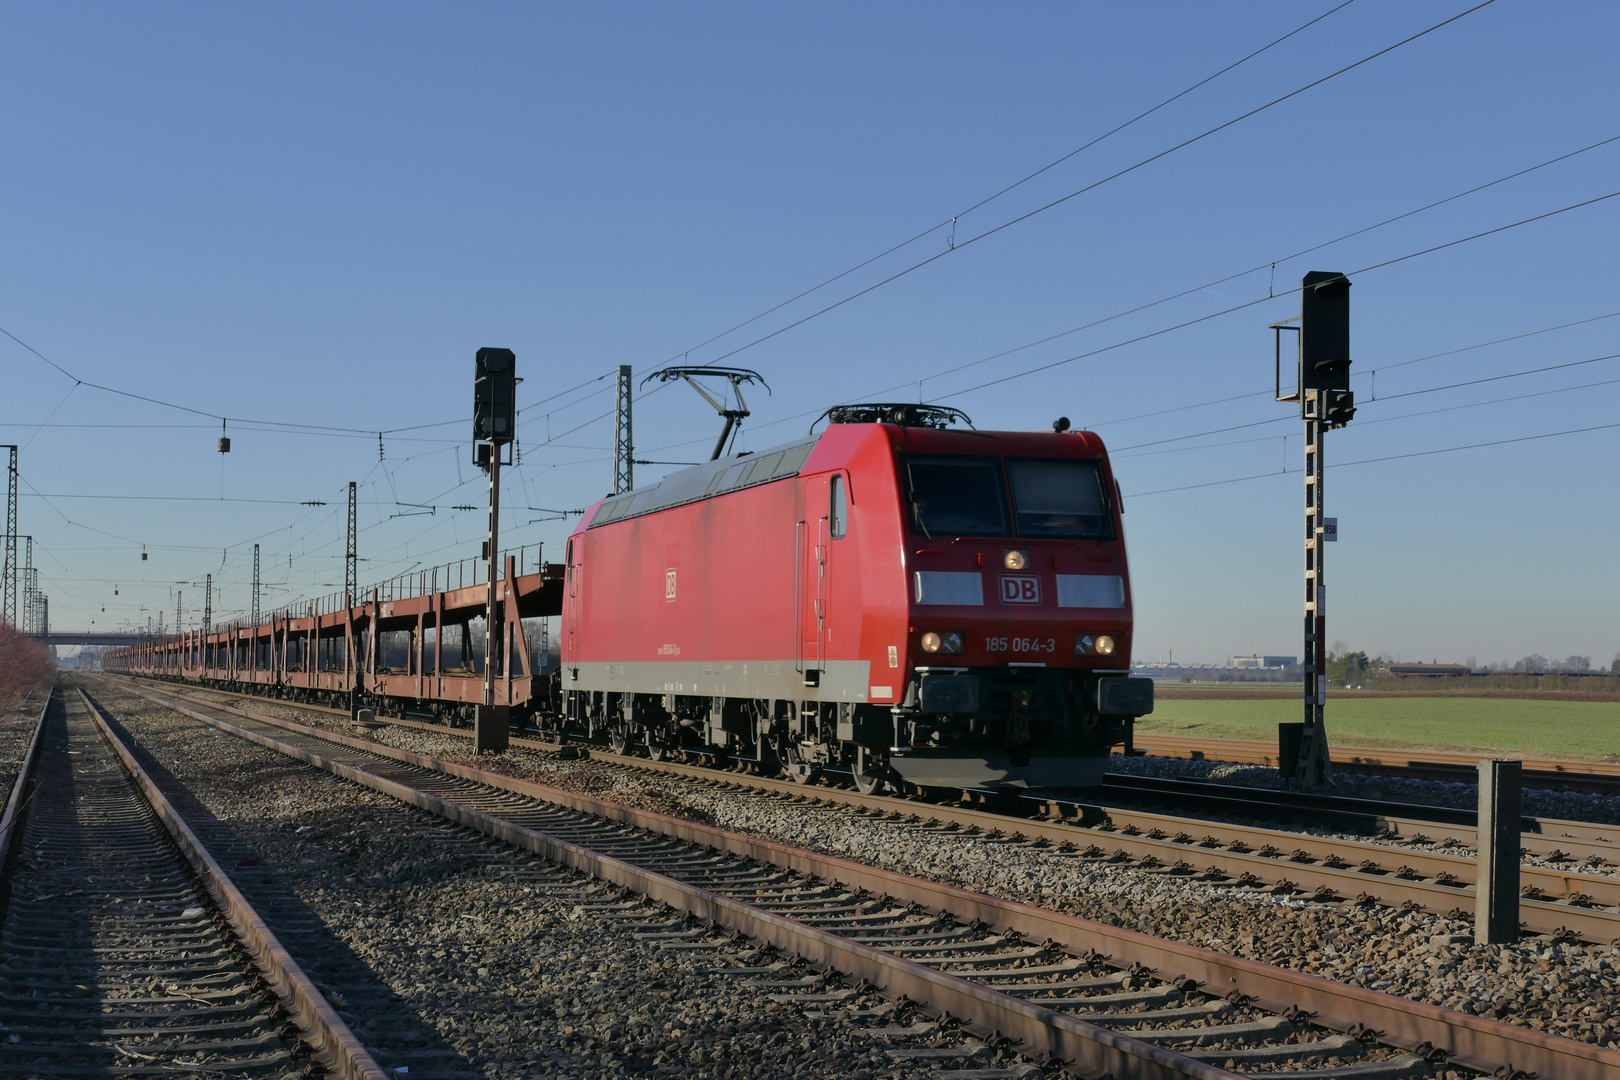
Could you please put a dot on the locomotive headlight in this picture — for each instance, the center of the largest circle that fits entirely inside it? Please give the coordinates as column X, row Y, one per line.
column 951, row 642
column 1093, row 645
column 1015, row 558
column 930, row 642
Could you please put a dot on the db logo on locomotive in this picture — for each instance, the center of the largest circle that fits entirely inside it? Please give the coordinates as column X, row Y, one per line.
column 1020, row 589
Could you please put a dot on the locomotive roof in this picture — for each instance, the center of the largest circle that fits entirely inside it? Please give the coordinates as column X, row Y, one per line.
column 712, row 478
column 750, row 469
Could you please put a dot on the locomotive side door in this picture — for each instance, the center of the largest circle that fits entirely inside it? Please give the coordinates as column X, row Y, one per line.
column 810, row 550
column 571, row 611
column 825, row 520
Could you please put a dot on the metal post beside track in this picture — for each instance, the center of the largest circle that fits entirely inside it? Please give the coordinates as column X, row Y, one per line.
column 8, row 573
column 1312, row 768
column 1322, row 389
column 1496, row 884
column 494, row 422
column 491, row 728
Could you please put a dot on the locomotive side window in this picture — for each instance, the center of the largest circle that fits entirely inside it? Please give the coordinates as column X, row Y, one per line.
column 1059, row 498
column 956, row 496
column 838, row 513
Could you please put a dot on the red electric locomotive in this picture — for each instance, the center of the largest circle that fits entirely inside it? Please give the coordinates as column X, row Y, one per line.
column 894, row 596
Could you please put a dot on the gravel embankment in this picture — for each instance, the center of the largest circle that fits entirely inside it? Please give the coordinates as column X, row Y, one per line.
column 16, row 729
column 1569, row 989
column 517, row 981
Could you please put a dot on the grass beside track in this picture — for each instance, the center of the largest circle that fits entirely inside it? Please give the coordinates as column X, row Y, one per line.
column 1576, row 729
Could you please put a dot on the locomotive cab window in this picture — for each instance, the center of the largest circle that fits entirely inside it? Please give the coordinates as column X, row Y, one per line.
column 838, row 512
column 956, row 496
column 1060, row 499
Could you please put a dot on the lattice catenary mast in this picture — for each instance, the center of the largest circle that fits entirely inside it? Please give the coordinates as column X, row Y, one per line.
column 8, row 598
column 623, row 452
column 351, row 551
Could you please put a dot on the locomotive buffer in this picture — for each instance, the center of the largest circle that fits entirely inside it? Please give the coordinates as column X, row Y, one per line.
column 1322, row 388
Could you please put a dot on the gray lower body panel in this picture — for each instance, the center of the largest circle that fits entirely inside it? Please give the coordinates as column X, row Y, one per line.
column 971, row 766
column 838, row 680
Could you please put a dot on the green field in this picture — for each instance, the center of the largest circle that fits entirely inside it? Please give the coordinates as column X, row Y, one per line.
column 1577, row 729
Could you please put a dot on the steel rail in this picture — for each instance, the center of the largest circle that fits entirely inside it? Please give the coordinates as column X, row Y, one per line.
column 1469, row 1040
column 1557, row 902
column 1539, row 836
column 1330, row 867
column 324, row 1029
column 1040, row 1030
column 1599, row 776
column 20, row 783
column 1542, row 835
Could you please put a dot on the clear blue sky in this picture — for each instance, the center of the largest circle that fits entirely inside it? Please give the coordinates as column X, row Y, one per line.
column 315, row 213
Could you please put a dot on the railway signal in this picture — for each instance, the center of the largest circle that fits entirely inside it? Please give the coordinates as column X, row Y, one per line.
column 494, row 426
column 1321, row 386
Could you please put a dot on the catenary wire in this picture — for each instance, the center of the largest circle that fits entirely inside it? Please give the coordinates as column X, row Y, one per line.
column 863, row 264
column 1387, row 457
column 1095, row 184
column 1219, row 281
column 1265, row 299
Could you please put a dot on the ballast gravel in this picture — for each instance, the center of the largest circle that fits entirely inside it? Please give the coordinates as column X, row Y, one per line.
column 1565, row 988
column 520, row 977
column 16, row 731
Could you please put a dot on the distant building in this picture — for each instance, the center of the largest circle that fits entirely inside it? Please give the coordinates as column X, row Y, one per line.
column 1264, row 662
column 1432, row 670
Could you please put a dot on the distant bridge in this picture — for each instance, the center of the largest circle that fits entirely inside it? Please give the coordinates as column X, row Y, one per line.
column 94, row 637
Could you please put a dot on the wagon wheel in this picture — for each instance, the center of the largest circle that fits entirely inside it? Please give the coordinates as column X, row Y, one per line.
column 660, row 747
column 869, row 772
column 794, row 765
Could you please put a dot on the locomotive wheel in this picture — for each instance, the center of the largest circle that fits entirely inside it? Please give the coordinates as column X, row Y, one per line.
column 869, row 776
column 795, row 767
column 659, row 746
column 619, row 738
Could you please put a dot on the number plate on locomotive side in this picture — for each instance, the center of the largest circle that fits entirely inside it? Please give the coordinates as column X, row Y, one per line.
column 1020, row 644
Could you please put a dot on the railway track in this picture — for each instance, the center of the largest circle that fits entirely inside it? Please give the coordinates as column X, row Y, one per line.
column 1560, row 900
column 1595, row 776
column 1100, row 998
column 126, row 950
column 1558, row 839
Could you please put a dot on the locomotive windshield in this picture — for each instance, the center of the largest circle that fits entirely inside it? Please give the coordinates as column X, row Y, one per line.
column 956, row 496
column 1059, row 498
column 967, row 496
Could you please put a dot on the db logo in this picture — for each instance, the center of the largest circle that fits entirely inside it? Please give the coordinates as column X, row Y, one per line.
column 1020, row 589
column 669, row 584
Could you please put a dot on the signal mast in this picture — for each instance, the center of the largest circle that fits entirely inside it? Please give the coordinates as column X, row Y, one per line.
column 1322, row 389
